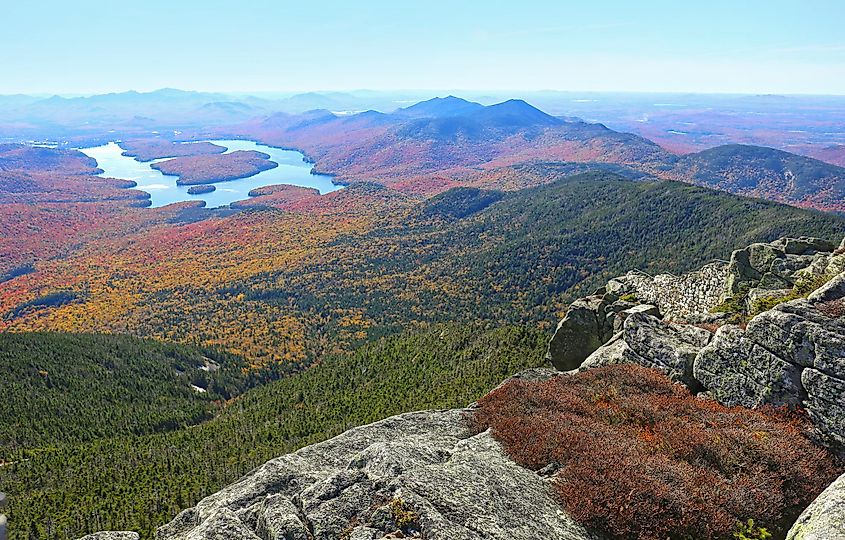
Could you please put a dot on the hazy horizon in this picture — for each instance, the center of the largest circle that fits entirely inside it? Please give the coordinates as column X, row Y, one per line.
column 660, row 47
column 433, row 92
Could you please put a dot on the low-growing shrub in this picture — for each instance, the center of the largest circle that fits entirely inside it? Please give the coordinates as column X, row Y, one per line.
column 834, row 309
column 629, row 297
column 768, row 302
column 641, row 457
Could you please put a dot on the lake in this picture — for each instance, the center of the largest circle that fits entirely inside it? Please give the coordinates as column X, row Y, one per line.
column 292, row 169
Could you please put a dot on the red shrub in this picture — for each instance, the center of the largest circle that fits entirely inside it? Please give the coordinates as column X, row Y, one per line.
column 640, row 457
column 834, row 309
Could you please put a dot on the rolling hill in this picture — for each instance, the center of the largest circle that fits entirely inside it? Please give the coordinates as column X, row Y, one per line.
column 766, row 173
column 272, row 284
column 438, row 143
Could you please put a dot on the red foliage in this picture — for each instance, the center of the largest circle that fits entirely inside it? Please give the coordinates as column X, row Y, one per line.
column 834, row 309
column 210, row 168
column 640, row 457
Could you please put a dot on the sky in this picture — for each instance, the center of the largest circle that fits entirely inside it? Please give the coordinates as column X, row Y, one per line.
column 739, row 46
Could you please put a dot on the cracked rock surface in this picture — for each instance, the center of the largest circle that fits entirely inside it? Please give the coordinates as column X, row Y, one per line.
column 420, row 474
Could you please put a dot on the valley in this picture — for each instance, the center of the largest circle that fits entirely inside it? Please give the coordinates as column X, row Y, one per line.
column 432, row 247
column 427, row 271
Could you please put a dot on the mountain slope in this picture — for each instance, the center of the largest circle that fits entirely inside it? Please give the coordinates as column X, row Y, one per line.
column 139, row 483
column 766, row 173
column 440, row 107
column 449, row 138
column 70, row 388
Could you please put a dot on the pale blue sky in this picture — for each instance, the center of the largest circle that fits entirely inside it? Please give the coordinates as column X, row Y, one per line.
column 749, row 46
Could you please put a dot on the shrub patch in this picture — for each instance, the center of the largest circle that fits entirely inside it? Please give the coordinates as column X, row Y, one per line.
column 641, row 457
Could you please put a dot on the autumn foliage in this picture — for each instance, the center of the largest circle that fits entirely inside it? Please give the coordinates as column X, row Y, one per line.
column 207, row 169
column 637, row 456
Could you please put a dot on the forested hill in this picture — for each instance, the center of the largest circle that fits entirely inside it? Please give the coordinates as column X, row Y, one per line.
column 70, row 388
column 768, row 173
column 287, row 286
column 137, row 482
column 522, row 255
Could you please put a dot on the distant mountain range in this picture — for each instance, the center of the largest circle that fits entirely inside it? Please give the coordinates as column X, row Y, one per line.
column 424, row 147
column 457, row 138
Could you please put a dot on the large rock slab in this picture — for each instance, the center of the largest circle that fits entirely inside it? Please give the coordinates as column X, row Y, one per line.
column 793, row 354
column 447, row 483
column 651, row 342
column 737, row 371
column 824, row 519
column 583, row 329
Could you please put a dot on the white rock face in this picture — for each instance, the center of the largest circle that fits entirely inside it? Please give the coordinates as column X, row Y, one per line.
column 681, row 296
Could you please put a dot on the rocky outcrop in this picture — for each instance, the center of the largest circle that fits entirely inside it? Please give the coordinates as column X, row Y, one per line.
column 422, row 474
column 762, row 271
column 824, row 519
column 588, row 324
column 651, row 342
column 680, row 296
column 792, row 354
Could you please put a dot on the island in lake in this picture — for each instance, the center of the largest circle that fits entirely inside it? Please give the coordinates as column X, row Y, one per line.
column 207, row 169
column 200, row 189
column 150, row 149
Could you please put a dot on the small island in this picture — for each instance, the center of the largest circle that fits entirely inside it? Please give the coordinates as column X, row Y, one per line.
column 193, row 170
column 200, row 189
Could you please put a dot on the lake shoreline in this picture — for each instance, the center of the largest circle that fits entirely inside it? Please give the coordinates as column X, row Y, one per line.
column 290, row 167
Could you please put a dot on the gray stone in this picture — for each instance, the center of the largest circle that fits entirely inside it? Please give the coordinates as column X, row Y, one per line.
column 222, row 524
column 622, row 315
column 804, row 244
column 279, row 520
column 584, row 329
column 835, row 264
column 460, row 486
column 811, row 338
column 832, row 290
column 748, row 265
column 650, row 342
column 826, row 403
column 737, row 371
column 761, row 256
column 787, row 266
column 824, row 519
column 365, row 533
column 792, row 354
column 179, row 526
column 740, row 272
column 616, row 287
